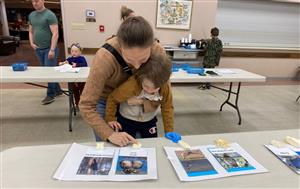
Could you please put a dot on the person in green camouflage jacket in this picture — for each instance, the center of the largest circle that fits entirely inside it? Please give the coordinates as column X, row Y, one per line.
column 212, row 52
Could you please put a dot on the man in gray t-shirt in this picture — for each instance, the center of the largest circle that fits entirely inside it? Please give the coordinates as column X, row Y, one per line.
column 43, row 36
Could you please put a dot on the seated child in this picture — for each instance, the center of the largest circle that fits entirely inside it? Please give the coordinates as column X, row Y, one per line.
column 139, row 99
column 76, row 60
column 212, row 52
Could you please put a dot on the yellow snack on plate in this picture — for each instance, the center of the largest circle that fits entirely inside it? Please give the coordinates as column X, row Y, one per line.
column 292, row 141
column 278, row 144
column 99, row 145
column 137, row 145
column 222, row 143
column 184, row 144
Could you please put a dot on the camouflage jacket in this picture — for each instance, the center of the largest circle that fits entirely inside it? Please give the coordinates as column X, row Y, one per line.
column 212, row 52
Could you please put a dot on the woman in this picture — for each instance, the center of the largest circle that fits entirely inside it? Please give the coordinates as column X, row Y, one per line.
column 134, row 43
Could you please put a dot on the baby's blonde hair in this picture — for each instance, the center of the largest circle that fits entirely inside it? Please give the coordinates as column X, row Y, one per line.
column 76, row 45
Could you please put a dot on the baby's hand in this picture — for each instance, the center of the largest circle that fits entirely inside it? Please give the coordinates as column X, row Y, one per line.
column 74, row 65
column 61, row 63
column 115, row 125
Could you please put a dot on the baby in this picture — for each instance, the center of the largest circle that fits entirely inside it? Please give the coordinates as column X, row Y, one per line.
column 76, row 60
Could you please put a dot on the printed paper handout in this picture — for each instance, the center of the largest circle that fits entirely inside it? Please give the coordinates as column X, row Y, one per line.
column 86, row 163
column 209, row 162
column 66, row 68
column 289, row 155
column 225, row 71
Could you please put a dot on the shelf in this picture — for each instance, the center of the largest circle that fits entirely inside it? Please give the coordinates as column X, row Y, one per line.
column 175, row 48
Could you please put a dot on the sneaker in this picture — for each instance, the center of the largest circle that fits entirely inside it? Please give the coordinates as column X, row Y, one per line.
column 202, row 87
column 48, row 100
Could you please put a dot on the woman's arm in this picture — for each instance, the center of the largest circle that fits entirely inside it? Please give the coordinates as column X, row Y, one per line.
column 100, row 71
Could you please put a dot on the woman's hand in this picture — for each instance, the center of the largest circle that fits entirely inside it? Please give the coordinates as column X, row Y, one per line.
column 115, row 125
column 132, row 101
column 122, row 139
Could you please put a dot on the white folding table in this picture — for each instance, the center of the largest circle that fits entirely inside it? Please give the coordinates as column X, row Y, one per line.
column 34, row 166
column 46, row 74
column 224, row 75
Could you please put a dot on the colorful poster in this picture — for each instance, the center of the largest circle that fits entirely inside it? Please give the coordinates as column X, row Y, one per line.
column 289, row 155
column 174, row 14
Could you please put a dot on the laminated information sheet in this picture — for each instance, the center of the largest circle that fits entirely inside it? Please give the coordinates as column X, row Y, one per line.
column 289, row 155
column 86, row 163
column 210, row 162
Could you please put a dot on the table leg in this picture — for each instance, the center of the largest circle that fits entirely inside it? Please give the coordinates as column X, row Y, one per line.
column 71, row 101
column 235, row 106
column 71, row 106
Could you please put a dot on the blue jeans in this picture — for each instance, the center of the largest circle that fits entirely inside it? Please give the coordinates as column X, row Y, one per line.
column 42, row 54
column 101, row 110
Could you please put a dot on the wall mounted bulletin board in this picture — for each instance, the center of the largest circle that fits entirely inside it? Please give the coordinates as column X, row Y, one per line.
column 174, row 14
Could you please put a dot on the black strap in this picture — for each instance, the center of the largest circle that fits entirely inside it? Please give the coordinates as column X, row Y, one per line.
column 119, row 58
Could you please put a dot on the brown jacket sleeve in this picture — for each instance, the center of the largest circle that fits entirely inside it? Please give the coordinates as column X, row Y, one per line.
column 128, row 89
column 167, row 109
column 101, row 69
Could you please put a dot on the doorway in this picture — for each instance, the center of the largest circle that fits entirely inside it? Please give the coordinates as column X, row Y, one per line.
column 17, row 12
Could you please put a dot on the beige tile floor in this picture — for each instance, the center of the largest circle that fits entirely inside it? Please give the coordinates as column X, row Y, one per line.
column 24, row 121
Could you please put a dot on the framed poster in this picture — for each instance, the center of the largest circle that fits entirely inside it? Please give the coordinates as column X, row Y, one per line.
column 174, row 14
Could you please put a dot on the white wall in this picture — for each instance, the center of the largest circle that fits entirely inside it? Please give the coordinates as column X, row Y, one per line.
column 269, row 67
column 108, row 14
column 203, row 18
column 3, row 18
